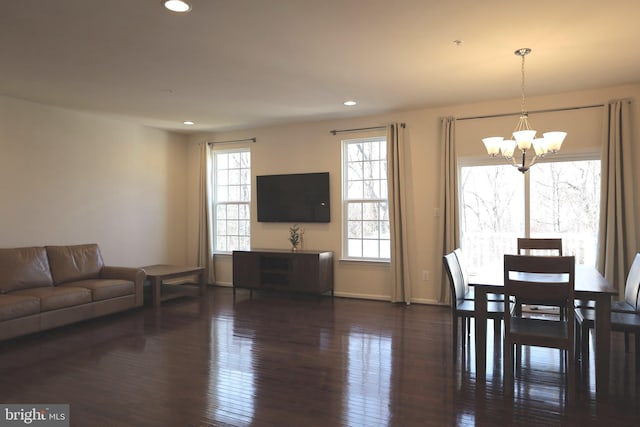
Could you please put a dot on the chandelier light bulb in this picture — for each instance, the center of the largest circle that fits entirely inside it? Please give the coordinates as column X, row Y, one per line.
column 524, row 138
column 493, row 145
column 508, row 147
column 555, row 140
column 541, row 146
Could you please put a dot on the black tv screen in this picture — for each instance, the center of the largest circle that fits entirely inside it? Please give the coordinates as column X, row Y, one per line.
column 302, row 197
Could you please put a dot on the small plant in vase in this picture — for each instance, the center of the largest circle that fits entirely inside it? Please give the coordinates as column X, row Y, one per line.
column 295, row 236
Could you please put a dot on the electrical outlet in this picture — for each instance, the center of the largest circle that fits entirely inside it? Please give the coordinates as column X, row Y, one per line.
column 425, row 276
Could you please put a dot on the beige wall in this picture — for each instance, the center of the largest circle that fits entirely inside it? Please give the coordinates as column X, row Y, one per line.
column 68, row 177
column 71, row 177
column 307, row 147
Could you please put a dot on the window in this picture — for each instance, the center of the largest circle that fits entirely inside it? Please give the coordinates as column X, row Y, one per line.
column 565, row 200
column 366, row 232
column 498, row 204
column 232, row 199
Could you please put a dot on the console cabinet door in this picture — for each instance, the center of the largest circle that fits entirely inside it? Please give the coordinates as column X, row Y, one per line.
column 246, row 270
column 304, row 273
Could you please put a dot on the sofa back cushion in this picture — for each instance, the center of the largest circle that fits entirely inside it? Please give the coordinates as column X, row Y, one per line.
column 24, row 268
column 71, row 263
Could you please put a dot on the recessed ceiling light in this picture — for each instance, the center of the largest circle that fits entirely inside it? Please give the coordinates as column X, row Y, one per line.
column 349, row 103
column 177, row 5
column 188, row 122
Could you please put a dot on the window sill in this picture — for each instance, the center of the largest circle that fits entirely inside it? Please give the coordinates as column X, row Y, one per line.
column 215, row 254
column 366, row 260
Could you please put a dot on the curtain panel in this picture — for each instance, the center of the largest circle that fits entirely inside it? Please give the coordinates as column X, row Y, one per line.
column 401, row 286
column 449, row 221
column 617, row 238
column 205, row 215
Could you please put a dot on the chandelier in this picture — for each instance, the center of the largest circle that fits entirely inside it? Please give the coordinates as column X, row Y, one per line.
column 524, row 138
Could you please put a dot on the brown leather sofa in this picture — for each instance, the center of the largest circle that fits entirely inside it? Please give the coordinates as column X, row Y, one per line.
column 47, row 287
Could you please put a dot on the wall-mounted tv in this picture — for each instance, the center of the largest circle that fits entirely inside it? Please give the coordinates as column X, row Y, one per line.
column 302, row 197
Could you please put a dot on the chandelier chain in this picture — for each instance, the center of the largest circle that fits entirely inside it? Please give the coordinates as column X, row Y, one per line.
column 523, row 103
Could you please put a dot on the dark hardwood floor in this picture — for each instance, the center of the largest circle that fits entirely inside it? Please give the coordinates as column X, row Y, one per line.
column 280, row 360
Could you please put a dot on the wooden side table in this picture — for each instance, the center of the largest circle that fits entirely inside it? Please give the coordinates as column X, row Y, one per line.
column 160, row 272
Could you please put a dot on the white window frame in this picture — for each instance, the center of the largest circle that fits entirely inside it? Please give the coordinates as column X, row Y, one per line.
column 488, row 161
column 216, row 203
column 346, row 202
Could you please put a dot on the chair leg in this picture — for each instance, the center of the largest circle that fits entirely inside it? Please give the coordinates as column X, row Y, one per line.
column 571, row 375
column 584, row 351
column 463, row 335
column 626, row 342
column 507, row 374
column 637, row 350
column 578, row 339
column 455, row 338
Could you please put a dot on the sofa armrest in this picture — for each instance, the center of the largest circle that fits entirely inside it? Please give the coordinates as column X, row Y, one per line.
column 136, row 275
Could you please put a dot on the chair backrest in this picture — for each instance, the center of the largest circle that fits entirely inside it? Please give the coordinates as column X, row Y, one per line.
column 632, row 286
column 456, row 282
column 528, row 244
column 463, row 268
column 548, row 279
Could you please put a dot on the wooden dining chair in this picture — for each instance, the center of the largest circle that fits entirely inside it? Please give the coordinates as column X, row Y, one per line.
column 462, row 309
column 551, row 280
column 469, row 290
column 548, row 246
column 625, row 317
column 538, row 246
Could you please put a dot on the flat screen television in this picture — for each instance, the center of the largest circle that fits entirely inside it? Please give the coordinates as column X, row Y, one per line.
column 302, row 197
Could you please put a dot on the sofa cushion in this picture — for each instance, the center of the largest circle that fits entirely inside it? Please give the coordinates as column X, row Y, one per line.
column 14, row 306
column 104, row 288
column 22, row 268
column 54, row 298
column 72, row 263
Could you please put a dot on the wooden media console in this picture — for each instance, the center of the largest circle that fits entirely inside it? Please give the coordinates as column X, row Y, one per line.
column 292, row 271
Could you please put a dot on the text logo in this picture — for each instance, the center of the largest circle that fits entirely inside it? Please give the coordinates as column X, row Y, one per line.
column 41, row 415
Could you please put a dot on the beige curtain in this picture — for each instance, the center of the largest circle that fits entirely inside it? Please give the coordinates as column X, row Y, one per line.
column 617, row 243
column 205, row 215
column 449, row 217
column 401, row 286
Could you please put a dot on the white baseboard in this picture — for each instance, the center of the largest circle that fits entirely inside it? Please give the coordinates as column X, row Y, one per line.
column 426, row 301
column 224, row 284
column 362, row 296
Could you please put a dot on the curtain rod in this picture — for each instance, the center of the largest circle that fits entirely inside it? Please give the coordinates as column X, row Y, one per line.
column 551, row 110
column 333, row 132
column 233, row 140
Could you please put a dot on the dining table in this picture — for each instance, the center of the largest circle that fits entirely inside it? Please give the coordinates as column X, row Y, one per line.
column 589, row 285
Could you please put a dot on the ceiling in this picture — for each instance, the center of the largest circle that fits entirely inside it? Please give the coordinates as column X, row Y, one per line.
column 232, row 64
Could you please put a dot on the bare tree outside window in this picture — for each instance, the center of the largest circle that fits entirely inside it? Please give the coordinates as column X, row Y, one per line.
column 365, row 198
column 491, row 212
column 563, row 200
column 232, row 198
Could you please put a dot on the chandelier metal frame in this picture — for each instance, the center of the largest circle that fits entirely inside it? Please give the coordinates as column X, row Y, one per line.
column 532, row 149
